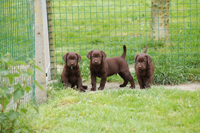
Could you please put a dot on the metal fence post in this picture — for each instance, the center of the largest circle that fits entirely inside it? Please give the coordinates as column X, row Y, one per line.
column 41, row 49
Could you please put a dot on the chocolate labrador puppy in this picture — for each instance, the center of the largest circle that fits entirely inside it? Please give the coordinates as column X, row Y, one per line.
column 102, row 67
column 144, row 68
column 71, row 72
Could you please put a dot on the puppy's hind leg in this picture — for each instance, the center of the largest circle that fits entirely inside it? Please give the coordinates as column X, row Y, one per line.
column 85, row 87
column 130, row 78
column 126, row 75
column 72, row 86
column 124, row 78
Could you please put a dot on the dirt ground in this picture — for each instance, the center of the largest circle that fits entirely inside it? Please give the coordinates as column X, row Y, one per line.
column 113, row 86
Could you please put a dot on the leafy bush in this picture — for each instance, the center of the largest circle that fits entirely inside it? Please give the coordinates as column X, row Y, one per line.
column 9, row 115
column 166, row 74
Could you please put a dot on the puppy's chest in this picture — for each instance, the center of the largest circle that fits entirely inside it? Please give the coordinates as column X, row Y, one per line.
column 73, row 73
column 98, row 73
column 144, row 74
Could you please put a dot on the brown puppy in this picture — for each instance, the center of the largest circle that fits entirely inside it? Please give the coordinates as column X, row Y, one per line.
column 144, row 68
column 102, row 67
column 71, row 72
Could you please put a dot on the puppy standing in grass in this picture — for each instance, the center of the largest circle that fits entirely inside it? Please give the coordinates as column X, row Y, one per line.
column 102, row 67
column 71, row 72
column 144, row 68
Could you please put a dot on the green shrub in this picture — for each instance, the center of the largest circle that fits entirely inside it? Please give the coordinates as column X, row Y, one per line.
column 9, row 115
column 174, row 74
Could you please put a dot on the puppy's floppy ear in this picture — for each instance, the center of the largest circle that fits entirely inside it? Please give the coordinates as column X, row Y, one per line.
column 65, row 57
column 89, row 54
column 79, row 57
column 104, row 54
column 149, row 59
column 136, row 57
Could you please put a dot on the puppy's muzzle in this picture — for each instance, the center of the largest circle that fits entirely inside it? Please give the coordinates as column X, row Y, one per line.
column 72, row 64
column 96, row 62
column 140, row 67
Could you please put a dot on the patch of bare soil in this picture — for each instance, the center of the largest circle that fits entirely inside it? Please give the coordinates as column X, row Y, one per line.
column 191, row 87
column 115, row 86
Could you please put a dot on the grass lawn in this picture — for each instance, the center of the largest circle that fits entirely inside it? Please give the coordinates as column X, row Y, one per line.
column 81, row 26
column 124, row 110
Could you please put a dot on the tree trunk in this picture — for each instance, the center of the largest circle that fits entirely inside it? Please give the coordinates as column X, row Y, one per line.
column 160, row 19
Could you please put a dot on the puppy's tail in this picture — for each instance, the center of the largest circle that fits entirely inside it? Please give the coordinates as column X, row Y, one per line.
column 145, row 49
column 124, row 53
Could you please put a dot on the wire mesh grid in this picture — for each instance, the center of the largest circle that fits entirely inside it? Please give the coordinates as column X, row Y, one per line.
column 17, row 36
column 83, row 25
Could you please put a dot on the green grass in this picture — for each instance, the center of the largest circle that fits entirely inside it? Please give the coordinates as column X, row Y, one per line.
column 81, row 26
column 17, row 29
column 84, row 25
column 175, row 74
column 123, row 110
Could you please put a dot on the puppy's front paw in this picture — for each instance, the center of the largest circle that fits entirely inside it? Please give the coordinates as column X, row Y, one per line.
column 93, row 89
column 122, row 85
column 66, row 87
column 132, row 87
column 100, row 88
column 85, row 87
column 147, row 87
column 82, row 89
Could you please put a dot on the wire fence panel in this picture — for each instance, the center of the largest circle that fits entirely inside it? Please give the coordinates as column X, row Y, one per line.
column 17, row 35
column 171, row 29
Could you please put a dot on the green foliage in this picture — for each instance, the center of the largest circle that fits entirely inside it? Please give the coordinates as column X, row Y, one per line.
column 81, row 26
column 85, row 70
column 20, row 40
column 9, row 115
column 166, row 74
column 122, row 110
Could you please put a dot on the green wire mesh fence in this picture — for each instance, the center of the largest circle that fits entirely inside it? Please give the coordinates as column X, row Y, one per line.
column 17, row 35
column 171, row 29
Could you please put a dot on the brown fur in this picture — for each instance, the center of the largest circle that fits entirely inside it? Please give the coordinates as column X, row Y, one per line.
column 71, row 72
column 144, row 68
column 102, row 67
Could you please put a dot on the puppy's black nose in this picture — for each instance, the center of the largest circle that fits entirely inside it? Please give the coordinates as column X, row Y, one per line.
column 95, row 61
column 139, row 66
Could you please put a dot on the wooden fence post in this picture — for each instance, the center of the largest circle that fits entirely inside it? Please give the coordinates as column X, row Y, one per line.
column 51, row 38
column 160, row 19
